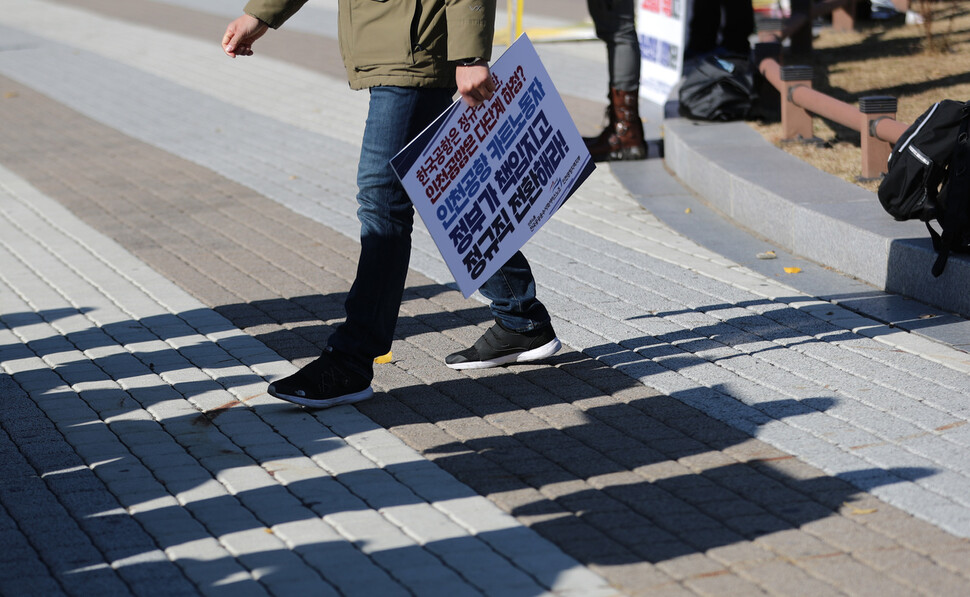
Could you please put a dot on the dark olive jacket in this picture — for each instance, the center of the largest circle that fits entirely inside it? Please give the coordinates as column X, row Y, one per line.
column 406, row 43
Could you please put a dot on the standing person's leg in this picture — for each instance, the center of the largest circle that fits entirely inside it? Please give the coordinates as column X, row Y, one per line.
column 615, row 25
column 605, row 25
column 622, row 139
column 738, row 26
column 705, row 22
column 343, row 372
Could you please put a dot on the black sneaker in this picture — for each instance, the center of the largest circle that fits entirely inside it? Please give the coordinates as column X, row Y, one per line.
column 499, row 346
column 322, row 383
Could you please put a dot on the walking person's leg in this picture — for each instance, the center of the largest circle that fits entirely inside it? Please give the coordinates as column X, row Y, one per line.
column 343, row 372
column 738, row 26
column 522, row 332
column 512, row 292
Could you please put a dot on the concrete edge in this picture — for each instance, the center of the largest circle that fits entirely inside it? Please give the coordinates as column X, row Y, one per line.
column 810, row 213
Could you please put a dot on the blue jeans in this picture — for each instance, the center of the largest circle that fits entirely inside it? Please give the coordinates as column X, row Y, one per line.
column 395, row 116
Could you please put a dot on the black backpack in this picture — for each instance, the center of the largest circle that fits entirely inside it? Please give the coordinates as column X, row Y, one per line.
column 717, row 88
column 928, row 177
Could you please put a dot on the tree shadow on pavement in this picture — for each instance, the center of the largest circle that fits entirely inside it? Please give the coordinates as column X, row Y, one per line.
column 147, row 463
column 641, row 480
column 133, row 463
column 627, row 477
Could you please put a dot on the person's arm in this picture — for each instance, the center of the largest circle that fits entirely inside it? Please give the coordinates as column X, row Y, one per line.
column 241, row 34
column 260, row 16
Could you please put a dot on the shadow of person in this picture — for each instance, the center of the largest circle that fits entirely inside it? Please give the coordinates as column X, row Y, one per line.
column 630, row 477
column 298, row 327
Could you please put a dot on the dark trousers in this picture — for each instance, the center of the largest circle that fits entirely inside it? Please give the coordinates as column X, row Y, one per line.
column 737, row 17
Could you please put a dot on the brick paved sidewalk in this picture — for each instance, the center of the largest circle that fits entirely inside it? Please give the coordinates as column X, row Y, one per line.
column 167, row 246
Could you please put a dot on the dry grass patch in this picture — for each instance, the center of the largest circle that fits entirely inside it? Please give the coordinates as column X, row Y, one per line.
column 917, row 64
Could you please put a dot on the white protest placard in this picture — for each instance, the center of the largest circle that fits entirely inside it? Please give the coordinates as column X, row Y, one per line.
column 662, row 31
column 485, row 179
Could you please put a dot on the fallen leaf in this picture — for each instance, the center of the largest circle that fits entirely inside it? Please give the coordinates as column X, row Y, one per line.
column 792, row 270
column 767, row 255
column 384, row 358
column 859, row 511
column 687, row 211
column 9, row 94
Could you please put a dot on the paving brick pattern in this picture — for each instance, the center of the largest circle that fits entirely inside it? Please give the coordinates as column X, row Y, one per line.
column 167, row 248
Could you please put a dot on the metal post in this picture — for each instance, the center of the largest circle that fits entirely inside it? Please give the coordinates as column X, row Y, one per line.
column 875, row 152
column 769, row 29
column 515, row 11
column 801, row 38
column 796, row 122
column 769, row 99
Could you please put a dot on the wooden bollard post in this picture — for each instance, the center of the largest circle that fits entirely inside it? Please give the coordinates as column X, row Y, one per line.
column 843, row 17
column 875, row 151
column 796, row 123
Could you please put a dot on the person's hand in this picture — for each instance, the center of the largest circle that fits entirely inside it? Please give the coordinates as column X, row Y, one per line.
column 241, row 34
column 475, row 83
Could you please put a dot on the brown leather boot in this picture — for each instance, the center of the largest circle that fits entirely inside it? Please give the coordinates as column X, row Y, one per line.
column 622, row 139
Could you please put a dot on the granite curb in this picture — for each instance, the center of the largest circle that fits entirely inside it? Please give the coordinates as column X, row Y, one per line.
column 810, row 213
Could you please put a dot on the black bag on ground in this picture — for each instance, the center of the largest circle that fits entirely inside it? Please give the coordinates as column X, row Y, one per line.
column 718, row 89
column 928, row 177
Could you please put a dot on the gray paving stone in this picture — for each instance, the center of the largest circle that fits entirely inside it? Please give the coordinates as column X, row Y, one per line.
column 701, row 327
column 348, row 569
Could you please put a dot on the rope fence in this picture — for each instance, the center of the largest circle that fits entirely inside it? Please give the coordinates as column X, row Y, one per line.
column 874, row 119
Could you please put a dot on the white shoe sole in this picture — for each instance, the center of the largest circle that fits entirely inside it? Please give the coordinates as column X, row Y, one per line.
column 345, row 399
column 546, row 350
